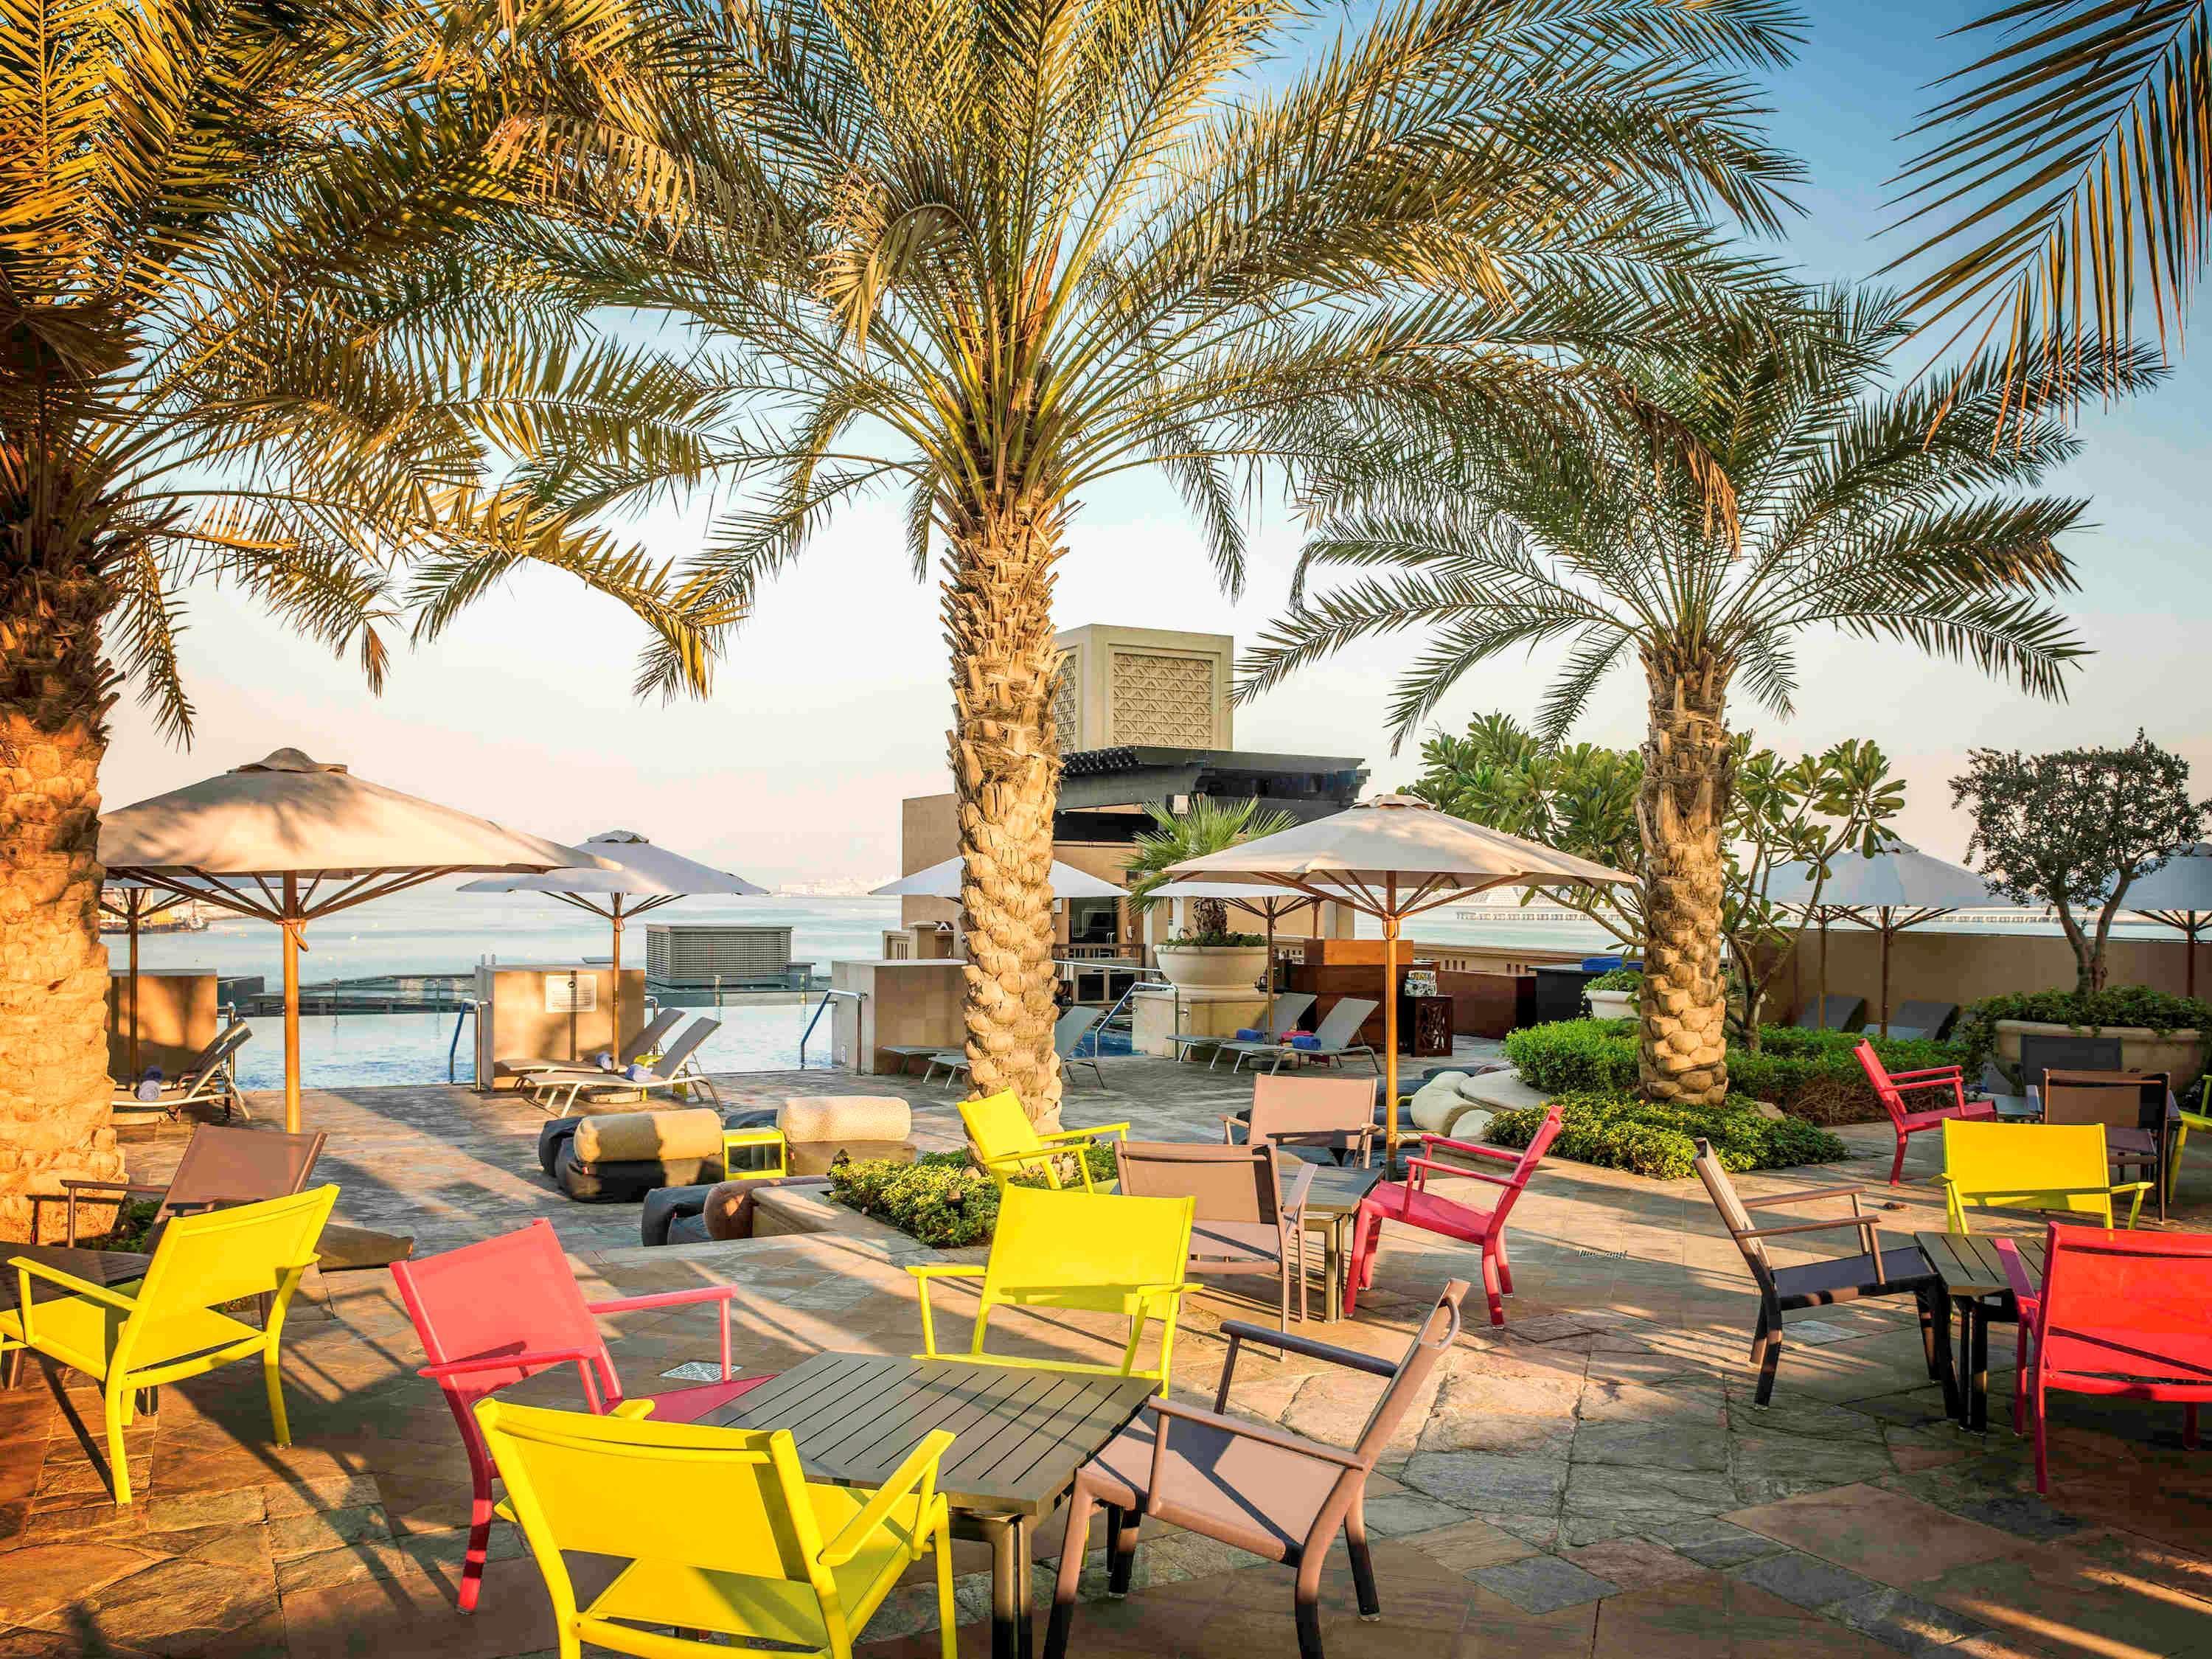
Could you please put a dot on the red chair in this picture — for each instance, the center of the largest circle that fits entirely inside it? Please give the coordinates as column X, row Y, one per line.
column 2118, row 1313
column 493, row 1313
column 1891, row 1088
column 1412, row 1203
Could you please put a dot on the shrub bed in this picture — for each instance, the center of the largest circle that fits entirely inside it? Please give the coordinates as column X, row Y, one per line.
column 1647, row 1139
column 941, row 1198
column 2116, row 1005
column 1809, row 1074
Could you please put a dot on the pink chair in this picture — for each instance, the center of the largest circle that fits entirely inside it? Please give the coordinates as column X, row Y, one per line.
column 1891, row 1088
column 493, row 1313
column 2116, row 1313
column 1411, row 1202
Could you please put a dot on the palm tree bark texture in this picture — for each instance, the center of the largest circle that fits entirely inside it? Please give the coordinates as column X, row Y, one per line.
column 55, row 690
column 1682, row 1052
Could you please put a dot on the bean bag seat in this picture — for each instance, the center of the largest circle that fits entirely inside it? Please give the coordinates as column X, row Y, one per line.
column 619, row 1158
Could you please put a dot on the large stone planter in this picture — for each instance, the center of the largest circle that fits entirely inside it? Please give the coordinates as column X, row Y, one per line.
column 1213, row 967
column 2180, row 1055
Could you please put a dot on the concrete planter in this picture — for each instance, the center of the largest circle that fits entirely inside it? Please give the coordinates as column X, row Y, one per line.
column 2180, row 1055
column 1213, row 967
column 1612, row 1005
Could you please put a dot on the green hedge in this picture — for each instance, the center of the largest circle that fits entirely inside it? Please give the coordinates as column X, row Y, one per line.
column 940, row 1198
column 2116, row 1005
column 1647, row 1139
column 1810, row 1074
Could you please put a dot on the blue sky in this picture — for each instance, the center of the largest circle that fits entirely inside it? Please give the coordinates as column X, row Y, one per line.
column 832, row 704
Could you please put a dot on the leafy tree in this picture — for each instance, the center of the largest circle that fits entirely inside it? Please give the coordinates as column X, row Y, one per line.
column 1850, row 514
column 991, row 256
column 1205, row 826
column 2074, row 828
column 250, row 334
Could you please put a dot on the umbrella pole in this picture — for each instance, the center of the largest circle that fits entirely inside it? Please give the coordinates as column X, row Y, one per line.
column 1269, row 912
column 1390, row 1033
column 2188, row 955
column 131, row 1072
column 1821, row 1022
column 292, row 924
column 613, row 1000
column 1886, row 931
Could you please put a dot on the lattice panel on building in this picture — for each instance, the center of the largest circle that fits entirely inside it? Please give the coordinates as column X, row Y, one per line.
column 1063, row 704
column 1163, row 699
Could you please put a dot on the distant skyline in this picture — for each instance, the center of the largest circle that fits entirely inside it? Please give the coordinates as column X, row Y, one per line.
column 831, row 704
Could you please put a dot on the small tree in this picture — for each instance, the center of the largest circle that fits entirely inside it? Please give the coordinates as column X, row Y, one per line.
column 2076, row 829
column 1209, row 826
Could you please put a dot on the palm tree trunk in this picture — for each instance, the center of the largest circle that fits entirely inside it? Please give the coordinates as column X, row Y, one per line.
column 1688, row 775
column 1005, row 780
column 54, row 691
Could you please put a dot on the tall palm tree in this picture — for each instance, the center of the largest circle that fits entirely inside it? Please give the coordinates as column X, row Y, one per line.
column 991, row 254
column 2066, row 180
column 1851, row 516
column 250, row 333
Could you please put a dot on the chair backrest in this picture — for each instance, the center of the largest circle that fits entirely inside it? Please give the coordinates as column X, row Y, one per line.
column 1531, row 1155
column 2038, row 1053
column 1423, row 1354
column 672, row 1058
column 1734, row 1216
column 2154, row 1287
column 1342, row 1023
column 1049, row 1242
column 1835, row 1013
column 1225, row 1183
column 228, row 1042
column 648, row 1038
column 514, row 1293
column 222, row 1256
column 2025, row 1162
column 1070, row 1028
column 1289, row 1008
column 719, row 1500
column 998, row 1127
column 2118, row 1100
column 229, row 1164
column 1923, row 1019
column 1877, row 1076
column 1283, row 1104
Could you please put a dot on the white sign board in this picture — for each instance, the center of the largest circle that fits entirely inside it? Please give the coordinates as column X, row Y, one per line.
column 571, row 993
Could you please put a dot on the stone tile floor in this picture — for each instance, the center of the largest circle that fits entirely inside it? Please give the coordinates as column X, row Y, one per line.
column 1591, row 1480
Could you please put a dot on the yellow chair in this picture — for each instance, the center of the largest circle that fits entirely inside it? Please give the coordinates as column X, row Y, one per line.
column 1092, row 1251
column 2199, row 1119
column 2041, row 1166
column 1001, row 1138
column 722, row 1531
column 168, row 1326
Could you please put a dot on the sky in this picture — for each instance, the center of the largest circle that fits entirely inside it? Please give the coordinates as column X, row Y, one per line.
column 831, row 704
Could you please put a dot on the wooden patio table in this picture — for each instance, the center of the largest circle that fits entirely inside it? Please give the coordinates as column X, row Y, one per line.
column 1332, row 1206
column 1973, row 1276
column 1018, row 1438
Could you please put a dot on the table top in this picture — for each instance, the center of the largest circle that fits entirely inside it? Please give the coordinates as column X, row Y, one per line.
column 100, row 1267
column 1336, row 1189
column 1020, row 1434
column 1969, row 1264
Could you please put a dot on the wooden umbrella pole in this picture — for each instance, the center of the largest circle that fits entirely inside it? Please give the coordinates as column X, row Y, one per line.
column 292, row 924
column 614, row 998
column 1269, row 913
column 1881, row 918
column 134, row 902
column 1391, row 1028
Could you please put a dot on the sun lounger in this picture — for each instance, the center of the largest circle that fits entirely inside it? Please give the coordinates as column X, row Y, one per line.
column 1924, row 1019
column 1290, row 1009
column 572, row 1088
column 1334, row 1039
column 213, row 1075
column 1069, row 1030
column 1843, row 1013
column 647, row 1042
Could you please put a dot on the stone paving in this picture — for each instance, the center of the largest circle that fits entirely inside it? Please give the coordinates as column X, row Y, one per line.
column 1591, row 1480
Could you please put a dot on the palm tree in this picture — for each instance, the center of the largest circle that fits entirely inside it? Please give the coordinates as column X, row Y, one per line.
column 1205, row 826
column 989, row 256
column 250, row 334
column 2067, row 179
column 1852, row 516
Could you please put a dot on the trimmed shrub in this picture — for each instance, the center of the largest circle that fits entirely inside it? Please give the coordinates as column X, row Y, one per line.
column 1568, row 1055
column 1618, row 979
column 1976, row 1032
column 940, row 1198
column 1647, row 1139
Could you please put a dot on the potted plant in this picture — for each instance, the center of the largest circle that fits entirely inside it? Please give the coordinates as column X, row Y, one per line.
column 1213, row 960
column 1611, row 995
column 1206, row 955
column 2157, row 1032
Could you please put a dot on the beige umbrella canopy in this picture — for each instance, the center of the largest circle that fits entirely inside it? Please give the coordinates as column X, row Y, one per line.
column 1393, row 858
column 289, row 839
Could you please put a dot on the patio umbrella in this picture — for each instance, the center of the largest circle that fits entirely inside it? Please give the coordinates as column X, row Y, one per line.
column 130, row 902
column 290, row 839
column 1268, row 904
column 2179, row 894
column 942, row 881
column 639, row 877
column 1393, row 858
column 1897, row 888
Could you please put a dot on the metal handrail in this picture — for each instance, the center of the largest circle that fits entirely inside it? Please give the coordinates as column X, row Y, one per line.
column 1146, row 976
column 815, row 1018
column 467, row 1013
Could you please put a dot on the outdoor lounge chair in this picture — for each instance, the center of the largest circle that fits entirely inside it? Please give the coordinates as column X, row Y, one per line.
column 1317, row 1119
column 2137, row 1110
column 1410, row 1201
column 1908, row 1119
column 1068, row 1032
column 492, row 1313
column 1334, row 1039
column 221, row 1165
column 1005, row 1142
column 1251, row 1485
column 1092, row 1251
column 723, row 1534
column 2040, row 1053
column 648, row 1041
column 1836, row 1013
column 2115, row 1313
column 2036, row 1166
column 1901, row 1270
column 213, row 1075
column 1242, row 1224
column 675, row 1069
column 171, row 1325
column 1932, row 1020
column 1289, row 1008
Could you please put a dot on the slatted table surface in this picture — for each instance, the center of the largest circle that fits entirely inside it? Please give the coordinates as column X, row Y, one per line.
column 102, row 1267
column 1019, row 1434
column 1969, row 1264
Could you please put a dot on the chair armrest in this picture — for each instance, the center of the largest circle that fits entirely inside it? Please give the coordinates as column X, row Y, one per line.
column 1950, row 1081
column 1430, row 1143
column 1266, row 1437
column 1294, row 1206
column 632, row 1410
column 2026, row 1290
column 505, row 1362
column 948, row 1270
column 28, row 1269
column 922, row 1276
column 1937, row 1072
column 1091, row 1134
column 665, row 1299
column 1804, row 1197
column 1036, row 1155
column 1864, row 1223
column 2019, row 1191
column 77, row 1184
column 920, row 1470
column 1458, row 1171
column 1229, row 1125
column 1238, row 1330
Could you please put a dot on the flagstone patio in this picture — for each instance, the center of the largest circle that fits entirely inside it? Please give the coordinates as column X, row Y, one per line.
column 1592, row 1479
